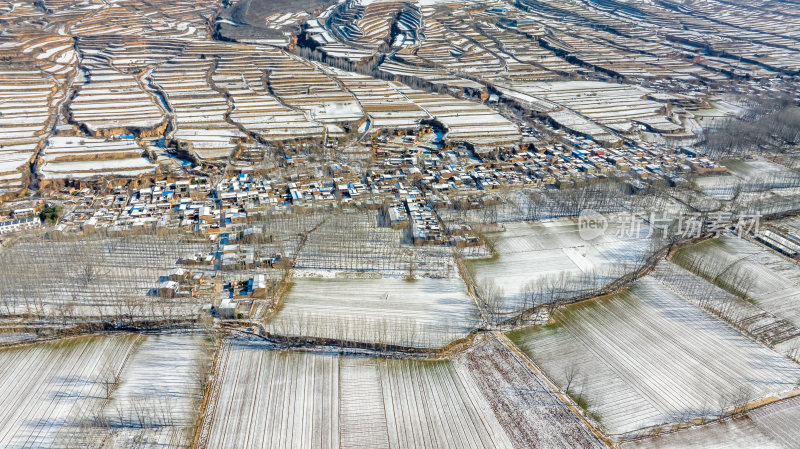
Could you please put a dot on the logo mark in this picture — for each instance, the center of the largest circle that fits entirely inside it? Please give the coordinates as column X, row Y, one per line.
column 591, row 224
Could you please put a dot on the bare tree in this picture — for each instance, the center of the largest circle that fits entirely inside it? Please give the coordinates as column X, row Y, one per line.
column 571, row 372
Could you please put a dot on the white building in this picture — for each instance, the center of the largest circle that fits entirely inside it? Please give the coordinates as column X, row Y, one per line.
column 7, row 227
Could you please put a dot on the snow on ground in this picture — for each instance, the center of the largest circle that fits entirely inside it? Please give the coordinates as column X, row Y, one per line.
column 48, row 388
column 775, row 280
column 268, row 398
column 63, row 393
column 730, row 434
column 159, row 391
column 79, row 157
column 540, row 253
column 755, row 174
column 771, row 426
column 522, row 401
column 647, row 357
column 423, row 312
column 118, row 274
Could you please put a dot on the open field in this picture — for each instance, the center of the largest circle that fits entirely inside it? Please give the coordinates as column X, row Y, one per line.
column 424, row 312
column 750, row 178
column 748, row 270
column 270, row 398
column 107, row 392
column 50, row 387
column 553, row 254
column 646, row 357
column 524, row 404
column 159, row 392
column 75, row 157
column 764, row 326
column 771, row 426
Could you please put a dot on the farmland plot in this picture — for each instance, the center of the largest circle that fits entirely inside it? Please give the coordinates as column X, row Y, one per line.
column 111, row 102
column 646, row 357
column 748, row 269
column 355, row 242
column 617, row 106
column 48, row 388
column 266, row 398
column 253, row 107
column 425, row 312
column 466, row 121
column 25, row 98
column 386, row 107
column 184, row 82
column 93, row 277
column 159, row 390
column 729, row 434
column 78, row 157
column 304, row 87
column 152, row 402
column 428, row 405
column 755, row 175
column 777, row 333
column 771, row 426
column 532, row 255
column 523, row 403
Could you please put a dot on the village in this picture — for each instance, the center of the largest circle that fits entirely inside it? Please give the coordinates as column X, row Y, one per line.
column 385, row 224
column 414, row 171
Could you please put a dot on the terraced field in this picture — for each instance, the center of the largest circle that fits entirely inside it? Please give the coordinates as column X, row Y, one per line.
column 76, row 157
column 25, row 99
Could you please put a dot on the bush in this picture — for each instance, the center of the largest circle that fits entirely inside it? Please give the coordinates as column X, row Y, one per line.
column 50, row 214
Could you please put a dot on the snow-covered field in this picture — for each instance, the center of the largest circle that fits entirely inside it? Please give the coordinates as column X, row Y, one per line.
column 777, row 333
column 424, row 312
column 542, row 254
column 25, row 96
column 102, row 391
column 265, row 398
column 48, row 388
column 616, row 106
column 465, row 120
column 760, row 175
column 157, row 400
column 647, row 357
column 771, row 426
column 767, row 278
column 112, row 100
column 524, row 404
column 83, row 157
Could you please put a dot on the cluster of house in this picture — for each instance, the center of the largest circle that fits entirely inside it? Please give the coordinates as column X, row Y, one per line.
column 237, row 298
column 403, row 171
column 412, row 210
column 233, row 298
column 570, row 162
column 182, row 283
